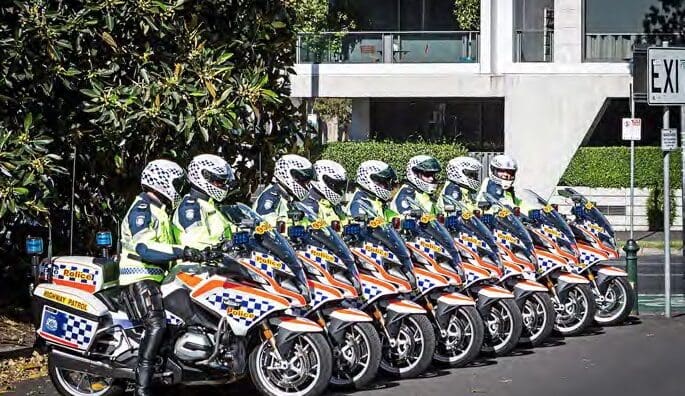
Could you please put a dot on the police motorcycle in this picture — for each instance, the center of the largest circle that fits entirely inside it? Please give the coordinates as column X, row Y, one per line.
column 336, row 291
column 596, row 242
column 388, row 285
column 477, row 246
column 546, row 240
column 458, row 325
column 226, row 318
column 502, row 318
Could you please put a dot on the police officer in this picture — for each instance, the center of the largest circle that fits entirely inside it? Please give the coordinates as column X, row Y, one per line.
column 147, row 245
column 375, row 182
column 463, row 183
column 198, row 222
column 292, row 175
column 420, row 184
column 327, row 191
column 500, row 183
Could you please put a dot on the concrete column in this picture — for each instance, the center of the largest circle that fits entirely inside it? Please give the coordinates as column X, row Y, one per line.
column 486, row 37
column 568, row 31
column 361, row 119
column 502, row 31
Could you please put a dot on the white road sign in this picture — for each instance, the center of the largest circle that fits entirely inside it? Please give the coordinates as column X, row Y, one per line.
column 666, row 79
column 631, row 128
column 669, row 139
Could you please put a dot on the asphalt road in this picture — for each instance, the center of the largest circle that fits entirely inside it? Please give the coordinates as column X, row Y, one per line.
column 637, row 359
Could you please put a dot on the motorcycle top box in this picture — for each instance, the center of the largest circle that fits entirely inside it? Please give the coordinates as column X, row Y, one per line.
column 88, row 274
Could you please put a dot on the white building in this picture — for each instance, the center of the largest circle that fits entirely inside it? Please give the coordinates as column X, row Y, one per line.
column 534, row 80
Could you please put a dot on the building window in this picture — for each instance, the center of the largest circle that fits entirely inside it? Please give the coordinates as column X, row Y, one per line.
column 533, row 30
column 612, row 29
column 477, row 123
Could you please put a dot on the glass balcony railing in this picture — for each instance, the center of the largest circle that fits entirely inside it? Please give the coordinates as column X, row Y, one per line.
column 388, row 47
column 534, row 46
column 618, row 47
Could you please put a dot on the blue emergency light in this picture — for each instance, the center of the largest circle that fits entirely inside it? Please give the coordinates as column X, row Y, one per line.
column 103, row 239
column 241, row 238
column 451, row 221
column 296, row 232
column 409, row 224
column 535, row 214
column 352, row 229
column 488, row 220
column 34, row 245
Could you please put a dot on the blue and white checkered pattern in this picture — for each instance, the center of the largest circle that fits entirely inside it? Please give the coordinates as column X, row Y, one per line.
column 471, row 276
column 546, row 264
column 141, row 271
column 245, row 303
column 319, row 297
column 499, row 238
column 370, row 290
column 425, row 283
column 377, row 257
column 472, row 246
column 173, row 319
column 587, row 257
column 58, row 273
column 79, row 330
column 324, row 263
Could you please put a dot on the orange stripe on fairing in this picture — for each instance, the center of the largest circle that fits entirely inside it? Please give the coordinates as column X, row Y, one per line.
column 214, row 284
column 383, row 273
column 331, row 290
column 352, row 312
column 589, row 248
column 300, row 321
column 407, row 304
column 189, row 279
column 378, row 282
column 277, row 288
column 422, row 254
column 513, row 258
column 57, row 340
column 568, row 256
column 330, row 279
column 430, row 275
column 455, row 296
column 548, row 255
column 75, row 285
column 473, row 268
column 532, row 283
column 512, row 267
column 574, row 276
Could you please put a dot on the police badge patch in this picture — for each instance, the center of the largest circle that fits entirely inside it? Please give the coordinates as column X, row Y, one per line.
column 268, row 204
column 190, row 214
column 140, row 220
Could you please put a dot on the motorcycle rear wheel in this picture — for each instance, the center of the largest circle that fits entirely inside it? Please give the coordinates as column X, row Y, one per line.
column 75, row 383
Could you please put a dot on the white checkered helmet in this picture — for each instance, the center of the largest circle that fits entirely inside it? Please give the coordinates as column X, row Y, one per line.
column 165, row 178
column 212, row 175
column 422, row 173
column 503, row 170
column 330, row 180
column 294, row 173
column 376, row 177
column 465, row 171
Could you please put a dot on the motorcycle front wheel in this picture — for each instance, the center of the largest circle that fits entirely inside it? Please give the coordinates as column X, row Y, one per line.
column 576, row 312
column 413, row 350
column 503, row 327
column 304, row 371
column 538, row 319
column 464, row 338
column 357, row 358
column 615, row 305
column 76, row 383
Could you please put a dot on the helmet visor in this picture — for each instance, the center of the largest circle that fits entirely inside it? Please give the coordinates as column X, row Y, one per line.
column 387, row 178
column 303, row 176
column 223, row 181
column 338, row 186
column 505, row 174
column 472, row 174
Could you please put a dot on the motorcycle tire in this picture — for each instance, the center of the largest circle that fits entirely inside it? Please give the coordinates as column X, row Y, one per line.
column 547, row 315
column 513, row 333
column 469, row 318
column 423, row 326
column 367, row 334
column 64, row 382
column 585, row 292
column 622, row 312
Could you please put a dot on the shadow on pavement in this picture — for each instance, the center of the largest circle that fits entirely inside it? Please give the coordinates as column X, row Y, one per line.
column 552, row 342
column 521, row 352
column 482, row 362
column 373, row 387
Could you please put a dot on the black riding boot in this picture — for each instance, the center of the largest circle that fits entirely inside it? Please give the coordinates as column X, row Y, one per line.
column 144, row 374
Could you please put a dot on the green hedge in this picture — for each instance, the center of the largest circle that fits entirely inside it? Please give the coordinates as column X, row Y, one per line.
column 351, row 154
column 610, row 167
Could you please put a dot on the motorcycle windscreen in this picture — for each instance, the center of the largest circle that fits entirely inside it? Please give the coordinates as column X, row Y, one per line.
column 266, row 239
column 506, row 221
column 553, row 219
column 388, row 237
column 322, row 235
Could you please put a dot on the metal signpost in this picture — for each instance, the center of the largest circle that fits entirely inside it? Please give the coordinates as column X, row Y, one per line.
column 631, row 129
column 666, row 87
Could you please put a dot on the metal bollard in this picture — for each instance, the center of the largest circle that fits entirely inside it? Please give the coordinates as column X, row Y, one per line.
column 631, row 248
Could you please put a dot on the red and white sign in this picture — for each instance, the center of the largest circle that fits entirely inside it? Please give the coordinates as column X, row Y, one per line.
column 632, row 128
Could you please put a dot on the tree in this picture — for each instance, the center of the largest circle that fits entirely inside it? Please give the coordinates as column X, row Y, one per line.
column 120, row 83
column 467, row 13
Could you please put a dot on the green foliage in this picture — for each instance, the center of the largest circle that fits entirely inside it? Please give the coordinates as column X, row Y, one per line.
column 467, row 13
column 655, row 208
column 329, row 108
column 610, row 167
column 125, row 82
column 351, row 154
column 316, row 16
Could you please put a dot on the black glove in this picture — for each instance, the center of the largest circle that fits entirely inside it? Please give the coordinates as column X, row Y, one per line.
column 192, row 254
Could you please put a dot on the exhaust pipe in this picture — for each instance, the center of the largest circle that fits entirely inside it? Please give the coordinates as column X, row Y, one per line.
column 77, row 363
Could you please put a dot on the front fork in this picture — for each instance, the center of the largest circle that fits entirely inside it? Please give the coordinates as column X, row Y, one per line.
column 380, row 320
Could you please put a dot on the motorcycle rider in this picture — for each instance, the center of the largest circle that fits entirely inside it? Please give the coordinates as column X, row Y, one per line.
column 198, row 222
column 375, row 182
column 500, row 183
column 421, row 182
column 292, row 175
column 148, row 245
column 463, row 182
column 327, row 191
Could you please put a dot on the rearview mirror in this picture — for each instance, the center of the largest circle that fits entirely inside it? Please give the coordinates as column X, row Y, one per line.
column 484, row 205
column 449, row 208
column 295, row 215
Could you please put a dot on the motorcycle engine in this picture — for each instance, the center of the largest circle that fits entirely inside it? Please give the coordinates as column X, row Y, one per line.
column 192, row 346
